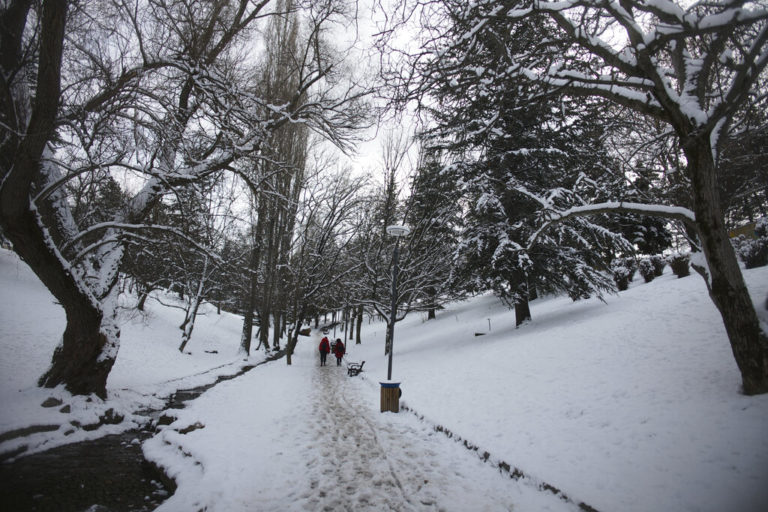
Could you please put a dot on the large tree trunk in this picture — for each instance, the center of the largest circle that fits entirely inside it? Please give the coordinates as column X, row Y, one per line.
column 85, row 357
column 264, row 314
column 250, row 301
column 726, row 284
column 87, row 351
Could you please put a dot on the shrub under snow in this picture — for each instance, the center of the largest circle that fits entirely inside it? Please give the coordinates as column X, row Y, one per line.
column 680, row 264
column 646, row 269
column 621, row 274
column 659, row 262
column 754, row 251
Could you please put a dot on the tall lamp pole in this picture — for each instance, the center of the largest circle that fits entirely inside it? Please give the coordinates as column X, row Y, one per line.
column 397, row 232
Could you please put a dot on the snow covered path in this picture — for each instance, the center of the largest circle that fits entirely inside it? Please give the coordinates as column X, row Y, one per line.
column 311, row 438
column 629, row 405
column 372, row 461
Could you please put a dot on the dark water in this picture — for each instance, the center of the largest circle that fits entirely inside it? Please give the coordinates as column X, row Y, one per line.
column 108, row 474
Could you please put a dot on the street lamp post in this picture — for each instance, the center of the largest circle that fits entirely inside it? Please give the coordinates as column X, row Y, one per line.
column 390, row 392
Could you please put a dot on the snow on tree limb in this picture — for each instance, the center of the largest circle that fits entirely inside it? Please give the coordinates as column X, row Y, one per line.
column 668, row 212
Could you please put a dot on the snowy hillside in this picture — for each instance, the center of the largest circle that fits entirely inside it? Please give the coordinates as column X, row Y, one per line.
column 629, row 405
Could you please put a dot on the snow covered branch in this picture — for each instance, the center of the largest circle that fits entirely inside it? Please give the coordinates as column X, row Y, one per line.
column 668, row 212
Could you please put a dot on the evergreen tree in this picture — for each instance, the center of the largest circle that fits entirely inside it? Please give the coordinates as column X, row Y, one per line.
column 518, row 159
column 434, row 213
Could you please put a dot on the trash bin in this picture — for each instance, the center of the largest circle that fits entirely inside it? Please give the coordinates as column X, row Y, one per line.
column 390, row 396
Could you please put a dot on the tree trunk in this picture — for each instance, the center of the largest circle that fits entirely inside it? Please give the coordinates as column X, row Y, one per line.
column 293, row 339
column 247, row 332
column 291, row 343
column 77, row 362
column 359, row 324
column 431, row 301
column 726, row 284
column 250, row 304
column 142, row 299
column 522, row 306
column 86, row 354
column 522, row 312
column 88, row 349
column 189, row 323
column 264, row 327
column 277, row 327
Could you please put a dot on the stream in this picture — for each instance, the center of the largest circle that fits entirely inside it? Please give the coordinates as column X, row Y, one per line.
column 108, row 474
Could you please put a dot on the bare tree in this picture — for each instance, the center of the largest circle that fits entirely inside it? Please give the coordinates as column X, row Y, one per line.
column 320, row 261
column 162, row 91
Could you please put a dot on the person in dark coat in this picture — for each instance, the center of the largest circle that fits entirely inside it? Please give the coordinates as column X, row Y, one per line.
column 325, row 347
column 338, row 350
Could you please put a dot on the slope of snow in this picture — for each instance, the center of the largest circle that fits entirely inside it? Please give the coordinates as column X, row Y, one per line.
column 148, row 368
column 629, row 405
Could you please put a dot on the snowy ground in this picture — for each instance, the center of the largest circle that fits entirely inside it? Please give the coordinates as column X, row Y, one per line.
column 149, row 366
column 310, row 438
column 629, row 405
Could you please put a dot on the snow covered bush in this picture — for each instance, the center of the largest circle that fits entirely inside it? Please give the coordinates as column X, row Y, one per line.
column 680, row 264
column 646, row 269
column 631, row 264
column 621, row 274
column 659, row 262
column 754, row 251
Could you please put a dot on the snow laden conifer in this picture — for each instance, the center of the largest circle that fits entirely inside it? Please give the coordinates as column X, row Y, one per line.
column 433, row 210
column 507, row 151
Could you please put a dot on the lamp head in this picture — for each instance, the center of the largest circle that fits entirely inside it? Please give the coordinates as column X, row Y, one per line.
column 398, row 231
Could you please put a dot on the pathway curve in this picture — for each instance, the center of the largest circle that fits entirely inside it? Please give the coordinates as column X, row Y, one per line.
column 366, row 460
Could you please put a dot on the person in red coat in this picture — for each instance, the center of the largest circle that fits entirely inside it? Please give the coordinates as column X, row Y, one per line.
column 325, row 347
column 339, row 350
